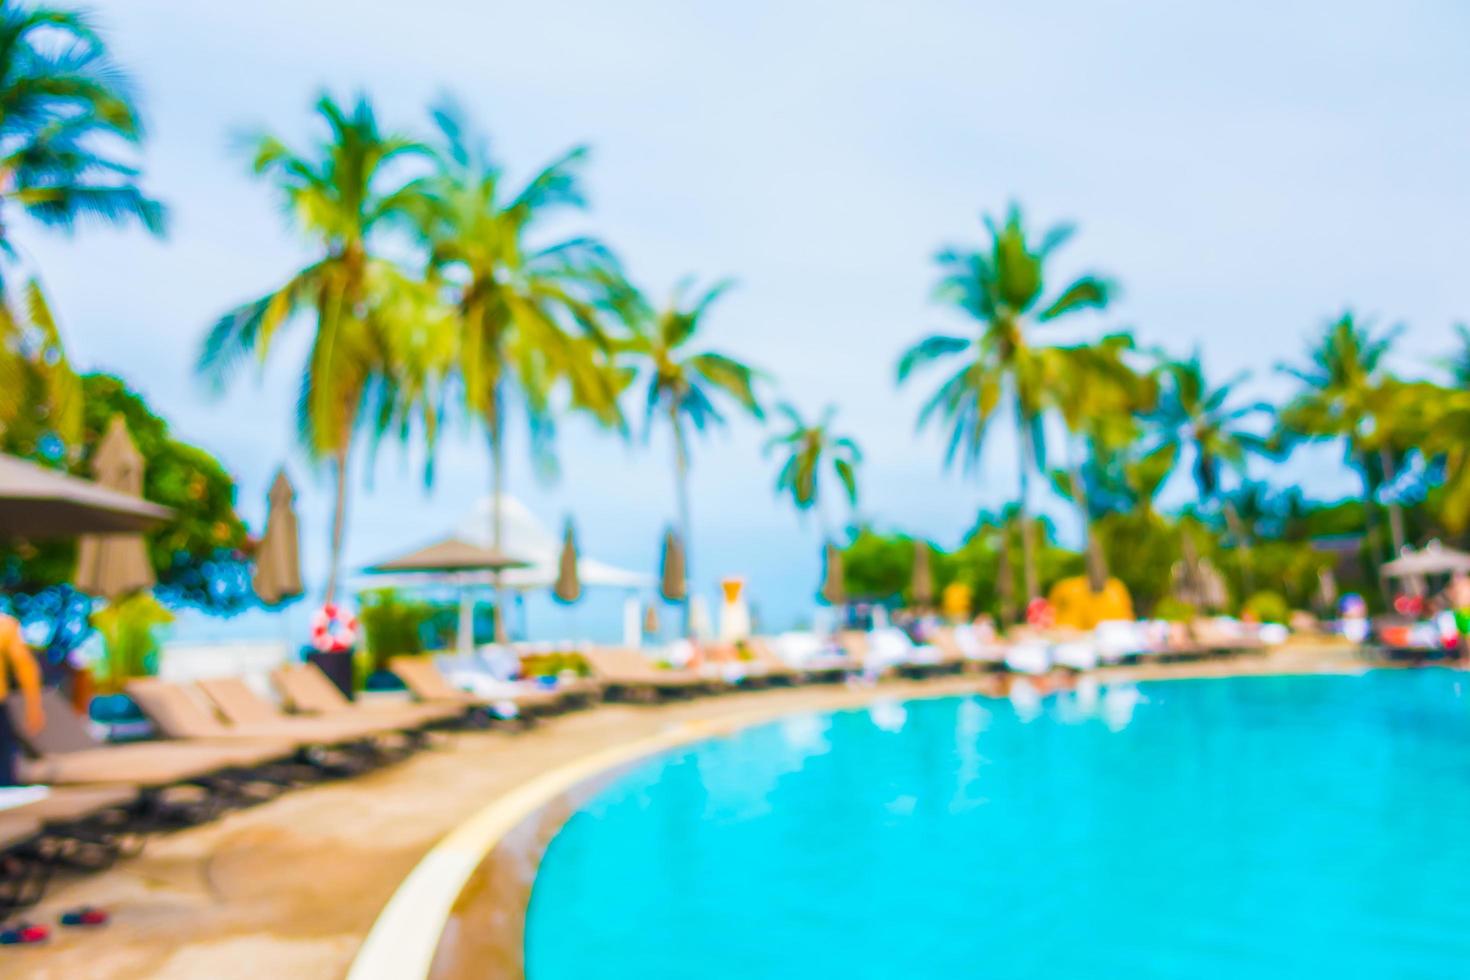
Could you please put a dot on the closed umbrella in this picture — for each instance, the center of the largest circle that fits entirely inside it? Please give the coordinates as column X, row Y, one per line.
column 650, row 619
column 923, row 582
column 568, row 587
column 672, row 584
column 833, row 592
column 112, row 565
column 1327, row 589
column 277, row 575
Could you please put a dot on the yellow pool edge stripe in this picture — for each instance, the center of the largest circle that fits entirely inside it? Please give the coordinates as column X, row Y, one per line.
column 405, row 936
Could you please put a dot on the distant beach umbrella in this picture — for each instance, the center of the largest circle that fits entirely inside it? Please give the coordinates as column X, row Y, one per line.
column 833, row 591
column 113, row 565
column 922, row 586
column 277, row 575
column 1327, row 589
column 568, row 588
column 456, row 558
column 1213, row 590
column 650, row 619
column 1433, row 559
column 672, row 583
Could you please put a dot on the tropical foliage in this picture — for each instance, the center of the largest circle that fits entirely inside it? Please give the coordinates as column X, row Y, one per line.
column 440, row 290
column 806, row 450
column 341, row 195
column 1002, row 286
column 525, row 322
column 683, row 382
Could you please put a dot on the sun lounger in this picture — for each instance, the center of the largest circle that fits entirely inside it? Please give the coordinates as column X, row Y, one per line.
column 816, row 658
column 1224, row 637
column 741, row 665
column 66, row 752
column 22, row 877
column 248, row 713
column 309, row 692
column 84, row 827
column 1075, row 654
column 1029, row 657
column 427, row 684
column 178, row 783
column 333, row 748
column 772, row 667
column 628, row 675
column 952, row 654
column 854, row 645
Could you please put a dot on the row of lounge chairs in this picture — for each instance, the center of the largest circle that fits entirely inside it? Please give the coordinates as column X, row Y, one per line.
column 221, row 743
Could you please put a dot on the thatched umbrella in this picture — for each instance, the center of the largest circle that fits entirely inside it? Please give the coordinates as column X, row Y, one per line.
column 833, row 591
column 922, row 585
column 277, row 575
column 36, row 502
column 1327, row 590
column 453, row 556
column 113, row 565
column 650, row 619
column 673, row 585
column 568, row 587
column 1433, row 559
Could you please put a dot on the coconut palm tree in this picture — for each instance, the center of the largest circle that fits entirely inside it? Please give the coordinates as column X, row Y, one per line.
column 1098, row 395
column 683, row 381
column 1209, row 422
column 1002, row 286
column 341, row 195
column 526, row 320
column 808, row 449
column 66, row 110
column 1346, row 395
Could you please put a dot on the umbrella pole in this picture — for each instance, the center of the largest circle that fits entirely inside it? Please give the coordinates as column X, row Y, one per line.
column 465, row 641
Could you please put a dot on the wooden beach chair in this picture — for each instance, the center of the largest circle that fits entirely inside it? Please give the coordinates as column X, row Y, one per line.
column 627, row 675
column 308, row 691
column 427, row 684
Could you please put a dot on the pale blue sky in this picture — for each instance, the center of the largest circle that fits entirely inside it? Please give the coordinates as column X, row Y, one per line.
column 1243, row 170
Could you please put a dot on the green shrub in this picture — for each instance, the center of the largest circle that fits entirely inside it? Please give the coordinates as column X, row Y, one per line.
column 554, row 664
column 1174, row 610
column 1268, row 607
column 129, row 630
column 391, row 625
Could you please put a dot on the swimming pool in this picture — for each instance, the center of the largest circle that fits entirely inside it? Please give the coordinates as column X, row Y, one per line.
column 1291, row 826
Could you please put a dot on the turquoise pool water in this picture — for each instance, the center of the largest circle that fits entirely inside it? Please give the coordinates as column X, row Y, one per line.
column 1256, row 827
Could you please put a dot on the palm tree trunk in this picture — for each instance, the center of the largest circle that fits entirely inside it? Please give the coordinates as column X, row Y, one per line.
column 1028, row 545
column 497, row 516
column 1005, row 579
column 681, row 490
column 339, row 522
column 1370, row 529
column 1243, row 545
column 1097, row 562
column 1396, row 519
column 1395, row 512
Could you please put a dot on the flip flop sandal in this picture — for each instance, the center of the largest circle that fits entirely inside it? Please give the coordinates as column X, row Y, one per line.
column 86, row 915
column 24, row 933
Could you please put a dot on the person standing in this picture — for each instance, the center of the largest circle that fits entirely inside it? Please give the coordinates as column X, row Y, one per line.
column 18, row 667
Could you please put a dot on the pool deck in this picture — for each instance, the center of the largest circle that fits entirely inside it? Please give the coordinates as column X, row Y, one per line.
column 290, row 888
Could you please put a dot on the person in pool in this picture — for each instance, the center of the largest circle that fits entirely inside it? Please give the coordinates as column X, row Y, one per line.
column 18, row 667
